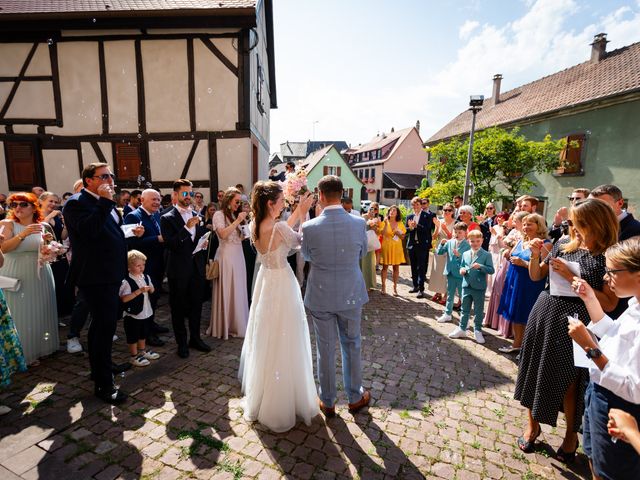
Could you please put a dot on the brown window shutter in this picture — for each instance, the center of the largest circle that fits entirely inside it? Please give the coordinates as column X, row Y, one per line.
column 325, row 170
column 22, row 163
column 339, row 170
column 128, row 161
column 570, row 156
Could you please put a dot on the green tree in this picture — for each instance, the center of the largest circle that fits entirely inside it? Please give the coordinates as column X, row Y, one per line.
column 503, row 161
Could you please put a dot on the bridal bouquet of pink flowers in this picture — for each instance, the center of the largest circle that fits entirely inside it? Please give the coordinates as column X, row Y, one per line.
column 49, row 252
column 295, row 184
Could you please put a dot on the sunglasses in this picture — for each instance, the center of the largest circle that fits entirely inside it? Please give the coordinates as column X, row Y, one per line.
column 424, row 203
column 187, row 194
column 612, row 272
column 105, row 176
column 13, row 205
column 448, row 210
column 490, row 208
column 574, row 199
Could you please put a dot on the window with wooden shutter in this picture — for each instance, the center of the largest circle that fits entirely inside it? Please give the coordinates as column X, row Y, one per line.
column 571, row 155
column 128, row 162
column 23, row 170
column 338, row 171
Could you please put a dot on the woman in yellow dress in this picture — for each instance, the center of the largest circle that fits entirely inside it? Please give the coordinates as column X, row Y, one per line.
column 393, row 232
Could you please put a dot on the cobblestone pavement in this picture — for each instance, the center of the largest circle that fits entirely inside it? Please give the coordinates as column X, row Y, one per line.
column 441, row 409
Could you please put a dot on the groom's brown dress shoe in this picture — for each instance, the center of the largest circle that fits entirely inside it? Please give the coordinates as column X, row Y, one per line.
column 328, row 412
column 360, row 404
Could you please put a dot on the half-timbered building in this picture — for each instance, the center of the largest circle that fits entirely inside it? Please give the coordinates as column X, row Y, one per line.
column 158, row 89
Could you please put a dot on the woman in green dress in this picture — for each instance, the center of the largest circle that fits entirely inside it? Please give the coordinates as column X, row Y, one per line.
column 368, row 262
column 33, row 307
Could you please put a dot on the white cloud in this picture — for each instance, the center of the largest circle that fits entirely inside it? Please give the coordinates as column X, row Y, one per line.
column 467, row 27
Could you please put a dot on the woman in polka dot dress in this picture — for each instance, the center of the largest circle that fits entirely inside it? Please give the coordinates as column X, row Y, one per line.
column 548, row 381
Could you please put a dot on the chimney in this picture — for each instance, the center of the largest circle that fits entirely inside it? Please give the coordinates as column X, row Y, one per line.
column 599, row 47
column 418, row 126
column 495, row 96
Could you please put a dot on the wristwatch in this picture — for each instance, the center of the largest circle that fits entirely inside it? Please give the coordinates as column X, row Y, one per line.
column 593, row 353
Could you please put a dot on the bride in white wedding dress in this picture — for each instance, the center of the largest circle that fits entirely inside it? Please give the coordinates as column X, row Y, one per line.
column 275, row 366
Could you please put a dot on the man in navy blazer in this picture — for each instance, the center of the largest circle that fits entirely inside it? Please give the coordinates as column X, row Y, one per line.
column 152, row 245
column 181, row 230
column 419, row 227
column 98, row 266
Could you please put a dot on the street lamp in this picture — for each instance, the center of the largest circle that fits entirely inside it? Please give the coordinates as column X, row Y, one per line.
column 475, row 104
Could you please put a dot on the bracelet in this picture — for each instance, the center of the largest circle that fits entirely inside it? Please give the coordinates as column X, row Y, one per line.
column 20, row 238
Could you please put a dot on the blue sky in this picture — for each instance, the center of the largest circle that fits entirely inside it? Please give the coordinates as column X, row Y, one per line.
column 353, row 68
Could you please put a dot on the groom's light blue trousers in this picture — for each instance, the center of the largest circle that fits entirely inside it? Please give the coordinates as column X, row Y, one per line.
column 329, row 326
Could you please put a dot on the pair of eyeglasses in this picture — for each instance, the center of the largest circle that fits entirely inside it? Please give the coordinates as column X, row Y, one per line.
column 13, row 205
column 574, row 199
column 105, row 176
column 187, row 194
column 448, row 210
column 490, row 208
column 611, row 272
column 424, row 203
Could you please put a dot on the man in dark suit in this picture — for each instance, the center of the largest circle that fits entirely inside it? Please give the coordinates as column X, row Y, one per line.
column 152, row 245
column 98, row 266
column 181, row 230
column 420, row 227
column 134, row 202
column 489, row 220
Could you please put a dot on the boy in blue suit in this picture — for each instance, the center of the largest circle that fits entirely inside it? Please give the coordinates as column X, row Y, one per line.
column 454, row 249
column 476, row 265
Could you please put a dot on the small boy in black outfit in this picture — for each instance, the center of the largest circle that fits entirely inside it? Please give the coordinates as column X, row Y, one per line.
column 134, row 294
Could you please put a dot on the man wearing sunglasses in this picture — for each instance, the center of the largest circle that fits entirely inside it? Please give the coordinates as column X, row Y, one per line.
column 98, row 265
column 420, row 226
column 181, row 229
column 559, row 226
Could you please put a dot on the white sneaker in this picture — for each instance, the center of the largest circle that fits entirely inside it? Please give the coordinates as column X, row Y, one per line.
column 115, row 337
column 477, row 334
column 139, row 361
column 151, row 355
column 444, row 318
column 458, row 333
column 73, row 345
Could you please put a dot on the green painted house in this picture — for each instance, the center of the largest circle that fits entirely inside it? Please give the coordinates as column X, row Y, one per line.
column 595, row 105
column 328, row 161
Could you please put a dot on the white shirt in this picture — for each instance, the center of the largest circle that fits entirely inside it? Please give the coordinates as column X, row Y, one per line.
column 125, row 289
column 333, row 207
column 186, row 214
column 622, row 216
column 620, row 343
column 114, row 214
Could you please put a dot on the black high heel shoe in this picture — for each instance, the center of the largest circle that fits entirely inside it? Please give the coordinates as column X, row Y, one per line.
column 567, row 457
column 527, row 446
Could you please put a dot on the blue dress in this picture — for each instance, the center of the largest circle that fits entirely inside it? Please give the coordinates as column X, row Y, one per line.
column 520, row 293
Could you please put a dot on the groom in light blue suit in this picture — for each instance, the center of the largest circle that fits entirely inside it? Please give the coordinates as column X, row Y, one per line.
column 333, row 243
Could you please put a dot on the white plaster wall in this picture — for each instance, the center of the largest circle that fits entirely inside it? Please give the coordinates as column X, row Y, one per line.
column 199, row 168
column 89, row 156
column 33, row 100
column 41, row 62
column 122, row 92
column 80, row 88
column 61, row 169
column 216, row 91
column 234, row 162
column 4, row 178
column 166, row 85
column 167, row 159
column 25, row 129
column 12, row 57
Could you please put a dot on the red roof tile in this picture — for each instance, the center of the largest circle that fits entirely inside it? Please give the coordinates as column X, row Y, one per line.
column 14, row 7
column 618, row 73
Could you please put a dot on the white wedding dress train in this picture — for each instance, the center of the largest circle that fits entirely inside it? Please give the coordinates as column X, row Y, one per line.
column 276, row 368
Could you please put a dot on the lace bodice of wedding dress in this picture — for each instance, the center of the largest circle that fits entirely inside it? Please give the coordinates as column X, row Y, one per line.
column 283, row 240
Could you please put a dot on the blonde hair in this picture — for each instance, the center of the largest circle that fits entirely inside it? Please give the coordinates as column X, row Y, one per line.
column 541, row 231
column 626, row 254
column 599, row 220
column 474, row 234
column 134, row 255
column 520, row 216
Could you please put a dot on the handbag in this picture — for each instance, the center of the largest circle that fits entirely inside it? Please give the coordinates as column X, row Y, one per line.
column 9, row 284
column 373, row 242
column 212, row 271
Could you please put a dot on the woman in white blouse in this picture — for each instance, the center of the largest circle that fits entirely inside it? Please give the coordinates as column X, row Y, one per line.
column 615, row 370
